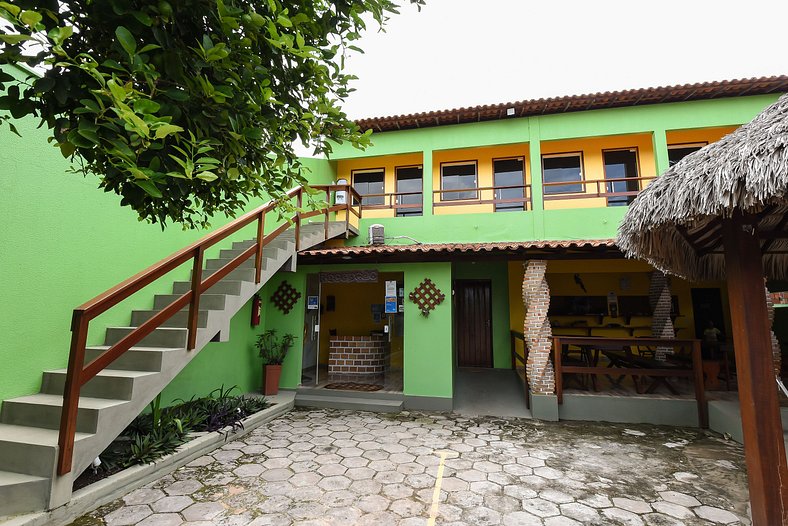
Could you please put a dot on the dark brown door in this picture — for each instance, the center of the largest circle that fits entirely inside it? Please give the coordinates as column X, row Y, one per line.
column 473, row 323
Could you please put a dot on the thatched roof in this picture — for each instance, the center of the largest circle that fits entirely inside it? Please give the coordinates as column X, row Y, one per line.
column 674, row 224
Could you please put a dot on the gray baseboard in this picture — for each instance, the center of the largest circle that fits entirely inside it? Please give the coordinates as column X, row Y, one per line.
column 428, row 403
column 630, row 409
column 545, row 407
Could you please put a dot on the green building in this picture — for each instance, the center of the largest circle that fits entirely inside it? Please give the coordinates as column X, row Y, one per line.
column 411, row 296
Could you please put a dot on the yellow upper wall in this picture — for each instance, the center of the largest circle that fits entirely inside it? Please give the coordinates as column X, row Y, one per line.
column 484, row 158
column 707, row 135
column 389, row 163
column 594, row 167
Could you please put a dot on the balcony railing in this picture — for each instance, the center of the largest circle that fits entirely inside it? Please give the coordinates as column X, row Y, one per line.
column 620, row 191
column 403, row 203
column 486, row 195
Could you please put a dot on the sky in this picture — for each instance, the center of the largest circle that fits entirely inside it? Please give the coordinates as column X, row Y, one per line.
column 458, row 53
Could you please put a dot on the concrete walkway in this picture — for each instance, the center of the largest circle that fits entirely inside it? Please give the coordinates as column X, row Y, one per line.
column 489, row 392
column 332, row 467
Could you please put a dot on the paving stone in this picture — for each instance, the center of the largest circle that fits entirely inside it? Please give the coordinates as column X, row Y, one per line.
column 715, row 514
column 372, row 503
column 183, row 487
column 143, row 496
column 624, row 517
column 172, row 504
column 334, row 483
column 559, row 497
column 162, row 519
column 635, row 506
column 277, row 463
column 521, row 518
column 127, row 515
column 681, row 499
column 660, row 519
column 226, row 455
column 202, row 511
column 674, row 510
column 305, row 479
column 548, row 473
column 249, row 470
column 502, row 503
column 274, row 504
column 277, row 475
column 396, row 491
column 561, row 521
column 540, row 507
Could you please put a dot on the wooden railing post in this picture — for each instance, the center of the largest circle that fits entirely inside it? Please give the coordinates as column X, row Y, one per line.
column 559, row 384
column 700, row 388
column 348, row 208
column 194, row 305
column 298, row 221
column 68, row 416
column 258, row 257
column 328, row 207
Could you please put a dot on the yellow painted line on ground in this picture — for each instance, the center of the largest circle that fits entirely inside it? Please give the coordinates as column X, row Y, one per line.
column 436, row 495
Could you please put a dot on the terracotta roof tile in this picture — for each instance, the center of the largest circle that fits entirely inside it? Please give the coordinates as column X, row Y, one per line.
column 590, row 101
column 455, row 248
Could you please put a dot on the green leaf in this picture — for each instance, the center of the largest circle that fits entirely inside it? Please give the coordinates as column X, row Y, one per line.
column 118, row 91
column 30, row 18
column 233, row 173
column 207, row 176
column 143, row 18
column 90, row 135
column 149, row 47
column 146, row 106
column 67, row 149
column 11, row 8
column 150, row 188
column 14, row 39
column 167, row 129
column 44, row 84
column 126, row 39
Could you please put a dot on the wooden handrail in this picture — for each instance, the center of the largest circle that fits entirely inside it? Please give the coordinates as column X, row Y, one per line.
column 585, row 194
column 79, row 373
column 695, row 372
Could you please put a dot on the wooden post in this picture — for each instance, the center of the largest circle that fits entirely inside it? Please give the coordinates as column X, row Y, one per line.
column 328, row 206
column 298, row 223
column 194, row 305
column 258, row 257
column 764, row 449
column 68, row 417
column 559, row 377
column 700, row 388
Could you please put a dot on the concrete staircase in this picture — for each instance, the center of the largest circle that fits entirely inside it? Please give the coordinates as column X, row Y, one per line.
column 381, row 402
column 110, row 401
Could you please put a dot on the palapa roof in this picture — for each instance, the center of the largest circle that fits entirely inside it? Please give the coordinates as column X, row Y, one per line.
column 589, row 101
column 674, row 223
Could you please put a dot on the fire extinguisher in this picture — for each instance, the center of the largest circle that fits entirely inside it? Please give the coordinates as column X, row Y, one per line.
column 256, row 309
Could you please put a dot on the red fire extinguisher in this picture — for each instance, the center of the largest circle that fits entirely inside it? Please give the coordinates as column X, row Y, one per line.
column 256, row 309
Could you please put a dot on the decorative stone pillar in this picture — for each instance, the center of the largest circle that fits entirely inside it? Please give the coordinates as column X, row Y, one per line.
column 777, row 356
column 661, row 301
column 536, row 328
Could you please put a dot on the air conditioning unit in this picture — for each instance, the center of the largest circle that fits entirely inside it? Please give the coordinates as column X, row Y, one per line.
column 376, row 235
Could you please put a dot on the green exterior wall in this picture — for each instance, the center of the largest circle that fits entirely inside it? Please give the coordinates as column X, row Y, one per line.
column 497, row 273
column 63, row 241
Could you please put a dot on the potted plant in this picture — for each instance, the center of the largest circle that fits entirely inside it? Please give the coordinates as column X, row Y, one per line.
column 272, row 350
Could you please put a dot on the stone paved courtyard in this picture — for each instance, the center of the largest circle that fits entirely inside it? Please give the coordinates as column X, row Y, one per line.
column 321, row 467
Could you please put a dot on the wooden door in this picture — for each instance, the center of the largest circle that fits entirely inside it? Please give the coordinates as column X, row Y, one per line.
column 473, row 329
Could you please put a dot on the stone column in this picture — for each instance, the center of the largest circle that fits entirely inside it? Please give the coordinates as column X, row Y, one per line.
column 661, row 301
column 536, row 328
column 777, row 357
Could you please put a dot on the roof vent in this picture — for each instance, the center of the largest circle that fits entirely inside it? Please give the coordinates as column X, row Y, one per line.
column 376, row 235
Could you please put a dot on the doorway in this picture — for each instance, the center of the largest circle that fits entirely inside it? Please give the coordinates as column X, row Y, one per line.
column 706, row 307
column 309, row 369
column 473, row 328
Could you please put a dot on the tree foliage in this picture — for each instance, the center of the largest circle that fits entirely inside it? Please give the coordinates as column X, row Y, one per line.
column 186, row 108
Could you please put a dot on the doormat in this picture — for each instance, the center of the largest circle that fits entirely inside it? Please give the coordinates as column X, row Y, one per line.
column 354, row 386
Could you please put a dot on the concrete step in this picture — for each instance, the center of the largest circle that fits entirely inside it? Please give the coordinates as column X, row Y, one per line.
column 207, row 301
column 379, row 405
column 135, row 359
column 110, row 383
column 179, row 319
column 272, row 249
column 226, row 256
column 21, row 493
column 227, row 286
column 44, row 410
column 238, row 274
column 339, row 393
column 30, row 450
column 170, row 337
